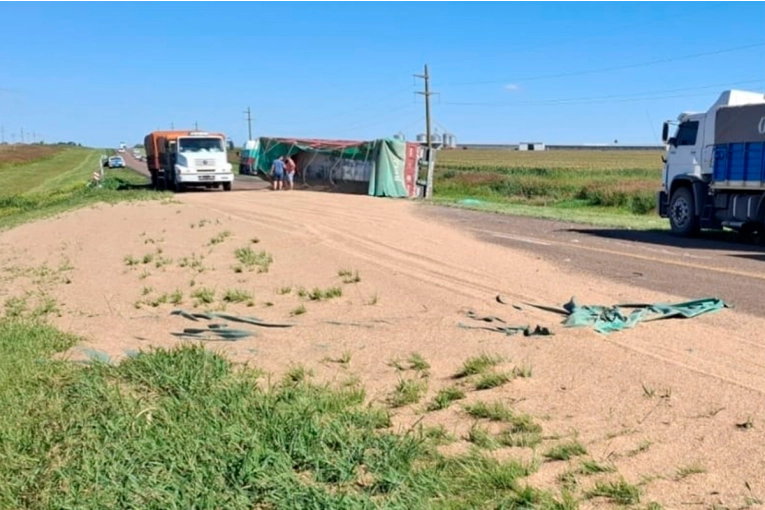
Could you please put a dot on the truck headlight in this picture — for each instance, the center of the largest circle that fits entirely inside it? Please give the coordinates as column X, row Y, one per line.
column 181, row 169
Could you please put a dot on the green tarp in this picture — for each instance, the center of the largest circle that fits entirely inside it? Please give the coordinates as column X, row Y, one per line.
column 606, row 319
column 387, row 158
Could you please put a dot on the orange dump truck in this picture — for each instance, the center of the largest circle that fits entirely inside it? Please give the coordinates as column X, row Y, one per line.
column 178, row 159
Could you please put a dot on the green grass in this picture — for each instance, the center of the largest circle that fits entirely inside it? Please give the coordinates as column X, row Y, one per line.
column 445, row 397
column 606, row 186
column 619, row 492
column 566, row 451
column 494, row 411
column 41, row 189
column 478, row 365
column 491, row 380
column 185, row 428
column 407, row 391
column 204, row 295
column 237, row 296
column 252, row 260
column 318, row 294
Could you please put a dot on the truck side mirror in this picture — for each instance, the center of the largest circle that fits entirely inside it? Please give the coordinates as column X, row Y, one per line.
column 665, row 132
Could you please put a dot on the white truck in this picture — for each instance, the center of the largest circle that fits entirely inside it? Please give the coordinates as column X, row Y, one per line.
column 714, row 168
column 178, row 159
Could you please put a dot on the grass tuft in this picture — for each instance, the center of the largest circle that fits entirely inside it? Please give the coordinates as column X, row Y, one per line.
column 478, row 365
column 407, row 391
column 491, row 380
column 251, row 260
column 619, row 492
column 566, row 451
column 494, row 411
column 445, row 397
column 349, row 276
column 237, row 296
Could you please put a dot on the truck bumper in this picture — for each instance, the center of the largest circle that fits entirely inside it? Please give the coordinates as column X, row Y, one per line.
column 662, row 203
column 205, row 178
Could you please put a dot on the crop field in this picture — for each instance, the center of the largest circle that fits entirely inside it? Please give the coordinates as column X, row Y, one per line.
column 624, row 181
column 18, row 154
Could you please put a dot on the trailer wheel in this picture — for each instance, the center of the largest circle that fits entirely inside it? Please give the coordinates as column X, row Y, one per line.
column 227, row 186
column 683, row 217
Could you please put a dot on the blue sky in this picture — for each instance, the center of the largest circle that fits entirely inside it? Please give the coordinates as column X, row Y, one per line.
column 101, row 73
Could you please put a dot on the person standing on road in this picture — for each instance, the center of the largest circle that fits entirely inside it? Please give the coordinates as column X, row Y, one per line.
column 277, row 172
column 289, row 166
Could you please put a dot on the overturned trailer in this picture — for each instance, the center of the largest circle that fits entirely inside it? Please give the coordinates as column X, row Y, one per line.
column 383, row 168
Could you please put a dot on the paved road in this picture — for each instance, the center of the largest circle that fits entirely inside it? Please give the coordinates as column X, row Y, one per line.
column 713, row 265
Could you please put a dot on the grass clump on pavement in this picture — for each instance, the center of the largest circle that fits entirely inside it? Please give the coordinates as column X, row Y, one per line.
column 184, row 428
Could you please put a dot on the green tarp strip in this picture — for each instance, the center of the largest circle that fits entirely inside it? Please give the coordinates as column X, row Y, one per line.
column 195, row 316
column 220, row 331
column 607, row 319
column 507, row 330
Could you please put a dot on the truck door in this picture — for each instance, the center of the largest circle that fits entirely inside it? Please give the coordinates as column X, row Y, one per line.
column 684, row 153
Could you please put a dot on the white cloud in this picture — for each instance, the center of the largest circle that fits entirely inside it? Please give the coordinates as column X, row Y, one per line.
column 512, row 87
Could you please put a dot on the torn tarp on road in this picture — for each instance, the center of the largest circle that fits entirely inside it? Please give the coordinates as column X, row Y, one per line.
column 219, row 331
column 606, row 319
column 507, row 330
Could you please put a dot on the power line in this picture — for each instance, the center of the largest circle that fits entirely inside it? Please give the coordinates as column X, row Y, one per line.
column 609, row 69
column 615, row 98
column 588, row 35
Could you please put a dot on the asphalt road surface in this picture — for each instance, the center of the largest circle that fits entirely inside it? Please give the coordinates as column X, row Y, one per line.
column 713, row 265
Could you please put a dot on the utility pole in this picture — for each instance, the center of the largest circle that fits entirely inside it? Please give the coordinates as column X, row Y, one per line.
column 249, row 123
column 427, row 93
column 22, row 135
column 196, row 126
column 172, row 126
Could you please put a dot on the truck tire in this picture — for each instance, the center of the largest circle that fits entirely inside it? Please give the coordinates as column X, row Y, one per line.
column 227, row 186
column 154, row 180
column 683, row 217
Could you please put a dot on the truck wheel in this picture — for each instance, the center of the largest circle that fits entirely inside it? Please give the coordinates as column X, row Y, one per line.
column 683, row 217
column 227, row 186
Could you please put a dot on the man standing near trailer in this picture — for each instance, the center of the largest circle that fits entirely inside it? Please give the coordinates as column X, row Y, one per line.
column 289, row 166
column 277, row 172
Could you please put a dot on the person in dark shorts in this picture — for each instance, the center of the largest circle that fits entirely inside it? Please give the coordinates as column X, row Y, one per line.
column 277, row 172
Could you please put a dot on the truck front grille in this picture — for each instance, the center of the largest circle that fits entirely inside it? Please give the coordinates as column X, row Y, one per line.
column 210, row 163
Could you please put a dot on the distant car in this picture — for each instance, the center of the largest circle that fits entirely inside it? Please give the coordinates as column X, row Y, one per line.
column 116, row 162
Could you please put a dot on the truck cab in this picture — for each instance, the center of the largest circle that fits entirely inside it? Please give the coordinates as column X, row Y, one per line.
column 690, row 196
column 181, row 159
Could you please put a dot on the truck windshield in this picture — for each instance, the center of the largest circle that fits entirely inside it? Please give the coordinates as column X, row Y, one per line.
column 200, row 145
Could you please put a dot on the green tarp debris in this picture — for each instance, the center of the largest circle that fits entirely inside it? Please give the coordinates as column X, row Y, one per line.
column 504, row 327
column 607, row 319
column 221, row 331
column 195, row 316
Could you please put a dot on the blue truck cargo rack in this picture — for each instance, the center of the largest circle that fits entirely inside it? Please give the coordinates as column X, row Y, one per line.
column 739, row 165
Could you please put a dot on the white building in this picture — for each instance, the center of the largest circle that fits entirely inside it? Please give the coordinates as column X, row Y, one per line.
column 531, row 146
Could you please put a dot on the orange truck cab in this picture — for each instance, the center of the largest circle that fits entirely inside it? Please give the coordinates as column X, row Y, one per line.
column 180, row 159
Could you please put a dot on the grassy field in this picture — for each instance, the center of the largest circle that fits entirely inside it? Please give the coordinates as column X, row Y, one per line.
column 58, row 181
column 186, row 429
column 610, row 187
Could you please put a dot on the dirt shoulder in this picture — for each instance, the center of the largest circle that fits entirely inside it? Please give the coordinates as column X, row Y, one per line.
column 668, row 403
